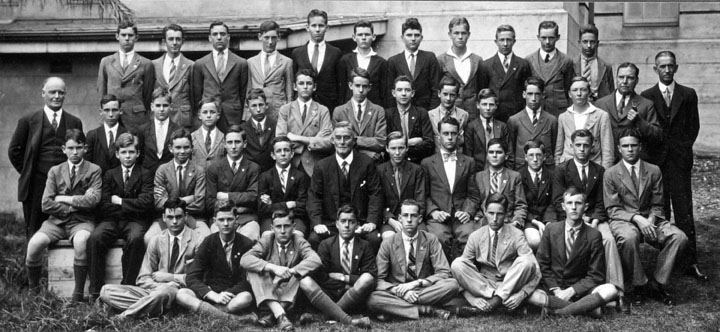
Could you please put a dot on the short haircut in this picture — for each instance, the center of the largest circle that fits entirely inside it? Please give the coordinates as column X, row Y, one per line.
column 412, row 202
column 394, row 136
column 218, row 23
column 498, row 141
column 504, row 28
column 448, row 120
column 579, row 79
column 125, row 140
column 665, row 53
column 255, row 94
column 485, row 94
column 345, row 125
column 315, row 13
column 108, row 98
column 162, row 93
column 358, row 72
column 224, row 205
column 497, row 198
column 533, row 144
column 305, row 72
column 237, row 129
column 269, row 26
column 347, row 208
column 403, row 78
column 447, row 80
column 363, row 24
column 282, row 212
column 125, row 25
column 629, row 132
column 582, row 133
column 174, row 27
column 175, row 203
column 572, row 191
column 590, row 28
column 457, row 20
column 279, row 139
column 536, row 81
column 629, row 65
column 549, row 25
column 411, row 23
column 213, row 101
column 76, row 135
column 180, row 133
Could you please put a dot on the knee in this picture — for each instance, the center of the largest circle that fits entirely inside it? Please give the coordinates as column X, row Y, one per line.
column 627, row 239
column 37, row 243
column 525, row 263
column 80, row 240
column 533, row 238
column 184, row 296
column 366, row 282
column 679, row 237
column 307, row 283
column 606, row 291
column 239, row 302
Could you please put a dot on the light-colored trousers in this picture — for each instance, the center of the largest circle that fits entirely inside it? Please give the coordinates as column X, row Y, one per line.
column 479, row 284
column 136, row 300
column 441, row 292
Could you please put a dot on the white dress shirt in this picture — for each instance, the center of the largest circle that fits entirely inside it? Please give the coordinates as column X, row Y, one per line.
column 449, row 168
column 127, row 57
column 161, row 130
column 406, row 244
column 109, row 130
column 364, row 60
column 264, row 58
column 462, row 64
column 311, row 49
column 50, row 113
column 349, row 160
column 166, row 66
column 543, row 54
column 581, row 118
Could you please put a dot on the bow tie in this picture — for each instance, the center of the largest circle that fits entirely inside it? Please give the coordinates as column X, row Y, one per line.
column 449, row 156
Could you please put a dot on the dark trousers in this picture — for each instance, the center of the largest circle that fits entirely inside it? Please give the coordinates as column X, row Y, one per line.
column 101, row 240
column 677, row 194
column 373, row 237
column 32, row 205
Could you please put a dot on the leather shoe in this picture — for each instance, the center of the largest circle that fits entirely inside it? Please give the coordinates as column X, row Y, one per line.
column 636, row 298
column 309, row 318
column 623, row 305
column 284, row 324
column 466, row 311
column 363, row 323
column 694, row 271
column 657, row 291
column 266, row 320
column 441, row 313
column 596, row 313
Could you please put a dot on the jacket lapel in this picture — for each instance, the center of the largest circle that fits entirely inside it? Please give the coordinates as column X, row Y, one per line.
column 440, row 170
column 677, row 98
column 627, row 181
column 643, row 178
column 591, row 120
column 421, row 252
column 210, row 65
column 131, row 68
column 179, row 72
column 592, row 176
column 412, row 118
column 504, row 180
column 134, row 177
column 117, row 64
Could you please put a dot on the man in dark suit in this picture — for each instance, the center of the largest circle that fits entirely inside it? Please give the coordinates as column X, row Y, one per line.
column 221, row 75
column 129, row 76
column 101, row 140
column 572, row 263
column 322, row 58
column 345, row 177
column 677, row 109
column 534, row 122
column 486, row 127
column 154, row 136
column 260, row 130
column 421, row 66
column 589, row 65
column 537, row 183
column 413, row 122
column 364, row 57
column 35, row 147
column 553, row 67
column 627, row 109
column 506, row 74
column 172, row 73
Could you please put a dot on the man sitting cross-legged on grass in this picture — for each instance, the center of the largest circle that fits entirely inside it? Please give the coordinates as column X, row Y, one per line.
column 572, row 262
column 497, row 266
column 275, row 265
column 217, row 284
column 163, row 269
column 413, row 273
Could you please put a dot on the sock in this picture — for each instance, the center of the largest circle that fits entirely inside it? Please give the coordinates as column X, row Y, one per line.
column 349, row 299
column 80, row 276
column 585, row 304
column 495, row 302
column 325, row 304
column 555, row 302
column 33, row 273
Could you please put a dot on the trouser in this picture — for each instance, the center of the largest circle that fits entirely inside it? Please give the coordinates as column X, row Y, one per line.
column 100, row 242
column 677, row 194
column 136, row 300
column 441, row 292
column 478, row 284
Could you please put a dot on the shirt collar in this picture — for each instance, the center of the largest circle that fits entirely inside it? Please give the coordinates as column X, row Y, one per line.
column 113, row 128
column 77, row 165
column 580, row 166
column 568, row 227
column 301, row 103
column 205, row 132
column 349, row 159
column 372, row 52
column 130, row 169
column 543, row 53
column 128, row 55
column 485, row 121
column 158, row 122
column 230, row 161
column 584, row 58
column 496, row 172
column 49, row 112
column 183, row 165
column 533, row 173
column 407, row 54
column 321, row 44
column 279, row 169
column 226, row 243
column 502, row 57
column 168, row 60
column 255, row 123
column 628, row 165
column 409, row 239
column 530, row 112
column 591, row 108
column 215, row 53
column 280, row 246
column 179, row 236
column 462, row 58
column 618, row 96
column 349, row 242
column 664, row 87
column 363, row 104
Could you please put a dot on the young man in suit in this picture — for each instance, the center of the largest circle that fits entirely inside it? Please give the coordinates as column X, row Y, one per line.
column 537, row 183
column 677, row 110
column 486, row 127
column 414, row 276
column 172, row 73
column 452, row 195
column 322, row 59
column 221, row 75
column 633, row 191
column 283, row 186
column 413, row 122
column 534, row 122
column 260, row 130
column 506, row 74
column 464, row 66
column 271, row 71
column 421, row 66
column 72, row 191
column 306, row 123
column 217, row 282
column 35, row 148
column 553, row 67
column 154, row 136
column 449, row 89
column 401, row 180
column 101, row 140
column 345, row 177
column 163, row 269
column 208, row 140
column 572, row 263
column 366, row 118
column 129, row 76
column 125, row 206
column 275, row 266
column 346, row 276
column 587, row 177
column 589, row 65
column 235, row 179
column 628, row 110
column 181, row 178
column 497, row 266
column 364, row 57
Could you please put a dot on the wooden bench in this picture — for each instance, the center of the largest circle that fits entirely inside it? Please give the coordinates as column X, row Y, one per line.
column 61, row 278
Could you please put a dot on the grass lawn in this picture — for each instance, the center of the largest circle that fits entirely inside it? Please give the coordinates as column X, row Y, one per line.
column 698, row 307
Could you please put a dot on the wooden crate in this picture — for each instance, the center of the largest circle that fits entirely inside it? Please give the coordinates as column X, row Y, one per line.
column 60, row 267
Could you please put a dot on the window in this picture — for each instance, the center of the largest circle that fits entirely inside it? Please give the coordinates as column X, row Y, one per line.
column 651, row 14
column 9, row 3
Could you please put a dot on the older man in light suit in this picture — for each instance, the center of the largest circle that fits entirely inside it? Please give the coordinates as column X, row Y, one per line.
column 271, row 71
column 172, row 73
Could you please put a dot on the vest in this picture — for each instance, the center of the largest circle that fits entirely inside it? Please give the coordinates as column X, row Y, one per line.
column 51, row 142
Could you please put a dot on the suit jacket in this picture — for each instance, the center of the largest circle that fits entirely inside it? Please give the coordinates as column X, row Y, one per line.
column 148, row 158
column 85, row 192
column 566, row 175
column 465, row 195
column 598, row 123
column 24, row 146
column 362, row 260
column 623, row 201
column 507, row 86
column 242, row 187
column 136, row 194
column 210, row 270
column 181, row 110
column 366, row 193
column 98, row 152
column 418, row 126
column 511, row 186
column 475, row 82
column 475, row 143
column 538, row 198
column 377, row 69
column 437, row 114
column 133, row 86
column 521, row 130
column 301, row 257
column 201, row 156
column 254, row 150
column 426, row 79
column 583, row 271
column 680, row 124
column 412, row 185
column 557, row 83
column 646, row 122
column 296, row 187
column 166, row 186
column 327, row 81
column 158, row 254
column 605, row 84
column 317, row 126
column 230, row 89
column 430, row 265
column 277, row 85
column 370, row 131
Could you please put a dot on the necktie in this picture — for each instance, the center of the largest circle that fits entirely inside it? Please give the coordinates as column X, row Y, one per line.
column 346, row 258
column 412, row 65
column 633, row 177
column 126, row 177
column 547, row 57
column 282, row 179
column 667, row 96
column 495, row 183
column 411, row 263
column 449, row 156
column 506, row 63
column 72, row 175
column 283, row 255
column 111, row 142
column 316, row 55
column 488, row 128
column 493, row 251
column 208, row 143
column 621, row 106
column 537, row 179
column 535, row 118
column 304, row 113
column 220, row 65
column 583, row 179
column 172, row 71
column 161, row 135
column 570, row 242
column 234, row 167
column 397, row 182
column 404, row 123
column 586, row 68
column 174, row 255
column 260, row 133
column 180, row 178
column 345, row 169
column 359, row 113
column 228, row 253
column 54, row 121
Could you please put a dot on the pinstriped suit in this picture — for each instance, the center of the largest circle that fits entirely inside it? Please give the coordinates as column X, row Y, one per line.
column 317, row 126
